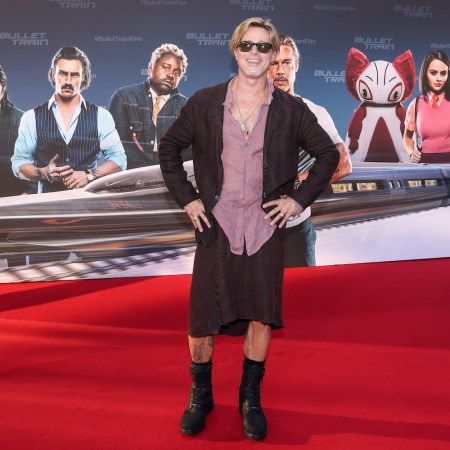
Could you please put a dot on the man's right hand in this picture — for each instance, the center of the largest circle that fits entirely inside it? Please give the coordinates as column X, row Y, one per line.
column 196, row 211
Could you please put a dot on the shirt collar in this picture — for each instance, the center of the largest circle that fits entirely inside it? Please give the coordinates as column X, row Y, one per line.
column 165, row 97
column 53, row 101
column 440, row 96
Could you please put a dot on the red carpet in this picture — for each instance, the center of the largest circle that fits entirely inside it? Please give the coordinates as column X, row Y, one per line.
column 363, row 363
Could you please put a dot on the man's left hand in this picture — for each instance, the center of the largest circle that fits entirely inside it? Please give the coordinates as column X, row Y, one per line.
column 284, row 208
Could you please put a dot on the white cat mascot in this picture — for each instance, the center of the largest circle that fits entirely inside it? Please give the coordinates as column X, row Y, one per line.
column 375, row 132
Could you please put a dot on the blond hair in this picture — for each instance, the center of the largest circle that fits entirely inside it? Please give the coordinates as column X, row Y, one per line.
column 259, row 22
column 287, row 40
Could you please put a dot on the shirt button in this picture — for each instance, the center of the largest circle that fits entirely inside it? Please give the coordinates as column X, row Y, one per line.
column 246, row 145
column 67, row 159
column 217, row 197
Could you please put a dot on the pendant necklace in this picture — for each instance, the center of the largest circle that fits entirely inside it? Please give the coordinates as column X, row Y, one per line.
column 242, row 122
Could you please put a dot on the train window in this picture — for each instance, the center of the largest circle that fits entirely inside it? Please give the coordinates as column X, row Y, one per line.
column 399, row 184
column 431, row 182
column 391, row 184
column 367, row 186
column 414, row 183
column 339, row 188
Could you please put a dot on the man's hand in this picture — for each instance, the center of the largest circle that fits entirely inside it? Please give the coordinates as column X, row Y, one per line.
column 76, row 179
column 196, row 211
column 55, row 173
column 285, row 207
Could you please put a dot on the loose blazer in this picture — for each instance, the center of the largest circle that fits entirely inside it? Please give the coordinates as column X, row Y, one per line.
column 290, row 125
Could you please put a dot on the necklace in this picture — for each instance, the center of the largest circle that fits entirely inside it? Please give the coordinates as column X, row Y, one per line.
column 242, row 122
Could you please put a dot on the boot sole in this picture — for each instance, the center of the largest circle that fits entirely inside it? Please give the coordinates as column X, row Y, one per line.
column 254, row 437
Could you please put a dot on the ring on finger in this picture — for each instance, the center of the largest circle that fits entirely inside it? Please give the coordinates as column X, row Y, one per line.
column 281, row 214
column 195, row 218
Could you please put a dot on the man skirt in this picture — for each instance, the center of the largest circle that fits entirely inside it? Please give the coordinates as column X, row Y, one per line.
column 228, row 291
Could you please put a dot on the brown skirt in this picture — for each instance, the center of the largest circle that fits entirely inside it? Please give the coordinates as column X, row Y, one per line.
column 228, row 291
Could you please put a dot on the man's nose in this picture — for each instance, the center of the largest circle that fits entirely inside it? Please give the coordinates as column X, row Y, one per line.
column 280, row 70
column 254, row 49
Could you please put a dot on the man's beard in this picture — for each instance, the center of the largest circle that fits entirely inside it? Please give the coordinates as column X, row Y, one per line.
column 161, row 88
column 65, row 97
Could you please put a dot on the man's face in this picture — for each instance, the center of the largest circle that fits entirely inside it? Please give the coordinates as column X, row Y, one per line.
column 165, row 75
column 254, row 64
column 282, row 70
column 68, row 75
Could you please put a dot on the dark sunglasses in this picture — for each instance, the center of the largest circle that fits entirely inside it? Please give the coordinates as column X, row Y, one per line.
column 263, row 47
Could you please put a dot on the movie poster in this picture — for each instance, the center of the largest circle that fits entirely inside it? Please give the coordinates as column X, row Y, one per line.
column 360, row 60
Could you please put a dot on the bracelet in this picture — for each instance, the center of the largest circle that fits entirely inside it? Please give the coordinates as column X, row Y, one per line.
column 49, row 177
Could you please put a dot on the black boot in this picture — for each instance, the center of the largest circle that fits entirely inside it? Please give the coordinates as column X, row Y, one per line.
column 201, row 402
column 254, row 423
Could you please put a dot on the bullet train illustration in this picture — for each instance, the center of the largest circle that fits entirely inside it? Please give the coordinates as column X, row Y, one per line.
column 132, row 212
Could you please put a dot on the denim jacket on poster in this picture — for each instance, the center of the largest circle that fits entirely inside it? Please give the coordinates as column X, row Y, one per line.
column 132, row 108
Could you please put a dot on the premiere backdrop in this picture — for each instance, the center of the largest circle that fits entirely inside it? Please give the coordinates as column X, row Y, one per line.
column 119, row 36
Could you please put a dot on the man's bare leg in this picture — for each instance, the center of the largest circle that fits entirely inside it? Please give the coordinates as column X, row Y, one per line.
column 201, row 348
column 257, row 340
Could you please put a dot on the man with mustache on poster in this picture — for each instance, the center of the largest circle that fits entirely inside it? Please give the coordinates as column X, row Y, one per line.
column 67, row 142
column 300, row 251
column 144, row 112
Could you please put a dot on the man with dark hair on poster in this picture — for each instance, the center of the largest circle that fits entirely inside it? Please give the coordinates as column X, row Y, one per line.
column 67, row 142
column 300, row 251
column 144, row 112
column 9, row 125
column 245, row 135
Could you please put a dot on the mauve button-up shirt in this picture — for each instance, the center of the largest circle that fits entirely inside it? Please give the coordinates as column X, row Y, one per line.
column 238, row 210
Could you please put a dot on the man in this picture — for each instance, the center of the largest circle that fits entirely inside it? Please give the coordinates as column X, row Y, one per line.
column 67, row 142
column 300, row 251
column 245, row 136
column 9, row 124
column 144, row 112
column 9, row 184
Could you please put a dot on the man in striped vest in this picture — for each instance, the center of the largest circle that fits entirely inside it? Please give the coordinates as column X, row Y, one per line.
column 67, row 142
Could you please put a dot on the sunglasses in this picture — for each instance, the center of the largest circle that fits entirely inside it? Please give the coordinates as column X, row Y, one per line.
column 263, row 47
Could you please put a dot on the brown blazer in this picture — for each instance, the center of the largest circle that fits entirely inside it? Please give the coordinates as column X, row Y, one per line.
column 290, row 125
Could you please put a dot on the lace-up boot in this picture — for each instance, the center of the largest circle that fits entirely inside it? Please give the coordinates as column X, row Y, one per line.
column 201, row 401
column 254, row 424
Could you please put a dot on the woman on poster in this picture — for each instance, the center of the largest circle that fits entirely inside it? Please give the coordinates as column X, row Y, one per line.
column 429, row 114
